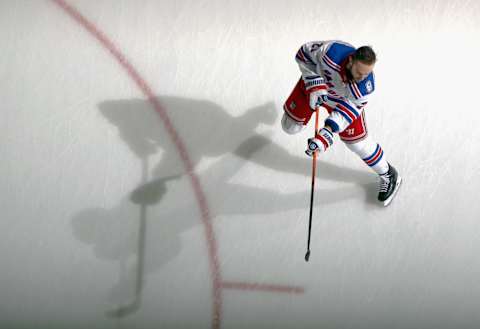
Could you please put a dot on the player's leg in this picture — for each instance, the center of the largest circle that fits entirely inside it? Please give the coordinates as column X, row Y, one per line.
column 297, row 111
column 356, row 139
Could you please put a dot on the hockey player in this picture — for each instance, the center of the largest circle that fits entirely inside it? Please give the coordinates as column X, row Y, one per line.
column 339, row 78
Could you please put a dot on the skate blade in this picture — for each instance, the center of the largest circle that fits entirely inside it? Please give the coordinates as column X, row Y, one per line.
column 397, row 186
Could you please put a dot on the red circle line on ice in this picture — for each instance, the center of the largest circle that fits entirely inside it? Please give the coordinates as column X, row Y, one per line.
column 217, row 284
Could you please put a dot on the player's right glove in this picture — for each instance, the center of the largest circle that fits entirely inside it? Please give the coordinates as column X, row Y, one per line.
column 321, row 142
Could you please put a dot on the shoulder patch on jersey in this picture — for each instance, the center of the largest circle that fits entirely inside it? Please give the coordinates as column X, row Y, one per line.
column 337, row 52
column 367, row 85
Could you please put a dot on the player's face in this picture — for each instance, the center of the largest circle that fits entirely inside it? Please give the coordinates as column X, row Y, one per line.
column 360, row 70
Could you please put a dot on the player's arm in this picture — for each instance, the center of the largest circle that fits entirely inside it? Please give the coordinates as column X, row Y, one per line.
column 343, row 115
column 349, row 108
column 339, row 119
column 307, row 59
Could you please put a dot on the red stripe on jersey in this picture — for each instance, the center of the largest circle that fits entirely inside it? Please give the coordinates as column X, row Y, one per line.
column 299, row 54
column 347, row 111
column 332, row 63
column 357, row 92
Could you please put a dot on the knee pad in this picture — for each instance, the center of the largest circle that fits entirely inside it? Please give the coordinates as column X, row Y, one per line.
column 291, row 126
column 362, row 148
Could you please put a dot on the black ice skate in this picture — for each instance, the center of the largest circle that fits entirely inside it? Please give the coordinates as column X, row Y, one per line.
column 389, row 185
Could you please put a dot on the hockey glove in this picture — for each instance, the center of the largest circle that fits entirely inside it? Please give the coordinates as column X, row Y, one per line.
column 316, row 90
column 317, row 98
column 321, row 142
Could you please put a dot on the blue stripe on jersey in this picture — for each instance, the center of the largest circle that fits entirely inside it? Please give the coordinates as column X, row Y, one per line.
column 332, row 124
column 313, row 77
column 339, row 51
column 348, row 106
column 301, row 57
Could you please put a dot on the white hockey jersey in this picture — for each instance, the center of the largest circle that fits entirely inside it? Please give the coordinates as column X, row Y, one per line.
column 323, row 62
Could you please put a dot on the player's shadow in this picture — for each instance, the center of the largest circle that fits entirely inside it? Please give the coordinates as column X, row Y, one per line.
column 206, row 131
column 209, row 131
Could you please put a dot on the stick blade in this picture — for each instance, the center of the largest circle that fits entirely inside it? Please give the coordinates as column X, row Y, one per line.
column 307, row 256
column 124, row 310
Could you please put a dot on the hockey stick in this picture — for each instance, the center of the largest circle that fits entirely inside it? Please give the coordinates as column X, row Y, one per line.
column 314, row 169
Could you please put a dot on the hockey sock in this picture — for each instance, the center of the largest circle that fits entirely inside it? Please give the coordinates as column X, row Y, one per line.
column 371, row 153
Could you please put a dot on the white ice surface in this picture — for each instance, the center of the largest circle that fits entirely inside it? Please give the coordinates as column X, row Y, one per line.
column 79, row 140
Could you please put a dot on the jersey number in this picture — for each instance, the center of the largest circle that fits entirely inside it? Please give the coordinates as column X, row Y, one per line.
column 315, row 46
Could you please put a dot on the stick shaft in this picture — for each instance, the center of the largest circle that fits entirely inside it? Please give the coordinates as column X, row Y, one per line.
column 314, row 169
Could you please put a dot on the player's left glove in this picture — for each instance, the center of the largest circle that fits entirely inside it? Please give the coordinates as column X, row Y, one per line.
column 317, row 97
column 321, row 142
column 317, row 91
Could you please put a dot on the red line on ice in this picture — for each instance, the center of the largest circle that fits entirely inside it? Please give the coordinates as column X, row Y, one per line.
column 217, row 284
column 262, row 287
column 199, row 194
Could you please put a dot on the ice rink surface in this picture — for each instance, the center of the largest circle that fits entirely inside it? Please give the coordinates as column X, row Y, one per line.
column 146, row 181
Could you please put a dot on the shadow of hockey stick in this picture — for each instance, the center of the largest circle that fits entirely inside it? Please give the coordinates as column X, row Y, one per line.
column 131, row 306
